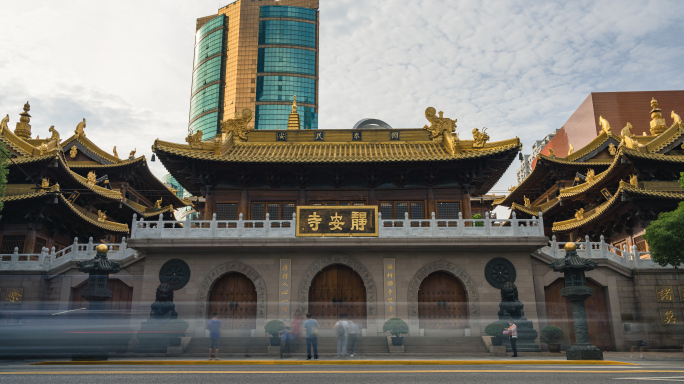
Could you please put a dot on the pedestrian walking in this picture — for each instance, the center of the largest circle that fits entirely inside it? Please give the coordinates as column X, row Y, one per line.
column 341, row 329
column 513, row 335
column 214, row 327
column 296, row 330
column 285, row 338
column 353, row 330
column 311, row 327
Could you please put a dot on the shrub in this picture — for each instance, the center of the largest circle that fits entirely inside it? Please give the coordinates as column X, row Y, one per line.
column 495, row 329
column 396, row 327
column 274, row 327
column 176, row 325
column 478, row 223
column 551, row 335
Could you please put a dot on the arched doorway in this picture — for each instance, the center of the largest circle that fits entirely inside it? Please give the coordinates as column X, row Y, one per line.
column 234, row 298
column 442, row 302
column 559, row 313
column 120, row 303
column 334, row 291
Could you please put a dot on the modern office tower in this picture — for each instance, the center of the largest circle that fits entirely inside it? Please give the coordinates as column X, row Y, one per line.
column 256, row 54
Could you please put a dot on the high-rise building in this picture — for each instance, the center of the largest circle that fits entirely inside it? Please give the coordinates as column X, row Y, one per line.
column 256, row 55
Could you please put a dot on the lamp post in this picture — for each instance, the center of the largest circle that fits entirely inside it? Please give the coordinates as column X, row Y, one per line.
column 576, row 290
column 98, row 269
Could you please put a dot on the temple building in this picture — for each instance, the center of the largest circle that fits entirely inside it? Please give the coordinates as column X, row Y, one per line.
column 61, row 189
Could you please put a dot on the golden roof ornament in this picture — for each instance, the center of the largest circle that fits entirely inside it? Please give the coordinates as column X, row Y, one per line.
column 43, row 148
column 73, row 152
column 527, row 201
column 633, row 180
column 115, row 153
column 131, row 155
column 293, row 119
column 605, row 125
column 55, row 134
column 438, row 125
column 627, row 130
column 157, row 204
column 195, row 139
column 551, row 152
column 571, row 150
column 45, row 183
column 238, row 126
column 677, row 119
column 579, row 214
column 657, row 121
column 23, row 128
column 480, row 138
column 92, row 178
column 5, row 120
column 101, row 217
column 611, row 149
column 79, row 131
column 591, row 176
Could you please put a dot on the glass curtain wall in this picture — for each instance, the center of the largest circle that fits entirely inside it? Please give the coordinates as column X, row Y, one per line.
column 287, row 46
column 207, row 77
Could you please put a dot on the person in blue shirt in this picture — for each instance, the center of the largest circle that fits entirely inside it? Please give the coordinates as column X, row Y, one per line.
column 311, row 327
column 214, row 327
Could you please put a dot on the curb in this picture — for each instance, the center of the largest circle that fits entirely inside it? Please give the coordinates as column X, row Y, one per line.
column 341, row 362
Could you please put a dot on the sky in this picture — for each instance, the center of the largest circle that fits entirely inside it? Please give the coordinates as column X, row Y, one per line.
column 519, row 68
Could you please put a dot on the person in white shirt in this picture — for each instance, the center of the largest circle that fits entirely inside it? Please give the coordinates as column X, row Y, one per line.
column 513, row 334
column 353, row 330
column 341, row 329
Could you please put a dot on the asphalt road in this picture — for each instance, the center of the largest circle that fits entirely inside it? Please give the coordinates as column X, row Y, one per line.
column 21, row 372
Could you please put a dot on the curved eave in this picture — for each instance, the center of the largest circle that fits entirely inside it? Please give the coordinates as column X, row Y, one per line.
column 535, row 209
column 147, row 212
column 666, row 138
column 593, row 145
column 22, row 147
column 25, row 196
column 635, row 155
column 600, row 180
column 92, row 219
column 90, row 146
column 598, row 212
column 95, row 165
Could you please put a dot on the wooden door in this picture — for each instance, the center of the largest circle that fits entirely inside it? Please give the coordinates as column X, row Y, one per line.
column 337, row 290
column 233, row 297
column 559, row 313
column 122, row 297
column 442, row 302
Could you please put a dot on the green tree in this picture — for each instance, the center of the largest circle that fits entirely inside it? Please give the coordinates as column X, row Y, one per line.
column 3, row 173
column 478, row 223
column 664, row 236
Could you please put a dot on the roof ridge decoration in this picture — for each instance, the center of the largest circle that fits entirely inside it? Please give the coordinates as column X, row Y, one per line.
column 23, row 129
column 90, row 146
column 238, row 125
column 94, row 219
column 658, row 125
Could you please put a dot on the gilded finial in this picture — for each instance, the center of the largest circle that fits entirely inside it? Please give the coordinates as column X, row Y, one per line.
column 570, row 247
column 657, row 121
column 605, row 125
column 23, row 128
column 115, row 153
column 294, row 103
column 571, row 150
column 79, row 131
column 102, row 248
column 293, row 119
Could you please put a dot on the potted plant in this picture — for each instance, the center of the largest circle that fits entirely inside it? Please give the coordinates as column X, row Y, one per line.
column 273, row 328
column 396, row 327
column 495, row 330
column 552, row 336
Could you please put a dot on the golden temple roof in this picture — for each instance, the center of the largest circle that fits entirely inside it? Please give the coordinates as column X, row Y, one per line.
column 262, row 147
column 595, row 213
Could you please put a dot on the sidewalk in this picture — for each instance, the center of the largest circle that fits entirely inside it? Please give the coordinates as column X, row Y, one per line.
column 611, row 358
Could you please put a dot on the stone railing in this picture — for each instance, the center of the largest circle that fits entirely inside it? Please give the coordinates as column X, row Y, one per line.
column 48, row 259
column 392, row 228
column 627, row 257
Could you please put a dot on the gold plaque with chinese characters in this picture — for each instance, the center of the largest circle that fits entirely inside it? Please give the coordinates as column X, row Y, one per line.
column 668, row 316
column 345, row 221
column 665, row 294
column 285, row 288
column 681, row 293
column 390, row 288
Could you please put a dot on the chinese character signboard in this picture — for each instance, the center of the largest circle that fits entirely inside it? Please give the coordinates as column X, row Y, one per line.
column 347, row 221
column 285, row 291
column 668, row 316
column 664, row 294
column 390, row 288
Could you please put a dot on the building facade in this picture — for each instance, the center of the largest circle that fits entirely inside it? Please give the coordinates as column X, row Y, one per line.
column 255, row 56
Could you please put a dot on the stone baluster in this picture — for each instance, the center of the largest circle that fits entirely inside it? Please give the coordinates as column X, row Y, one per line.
column 588, row 245
column 514, row 224
column 15, row 258
column 488, row 224
column 554, row 247
column 293, row 228
column 433, row 224
column 380, row 225
column 603, row 248
column 407, row 224
column 461, row 224
column 186, row 226
column 122, row 247
column 625, row 253
column 89, row 247
column 213, row 225
column 160, row 225
column 635, row 252
column 267, row 224
column 540, row 224
column 241, row 225
column 134, row 226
